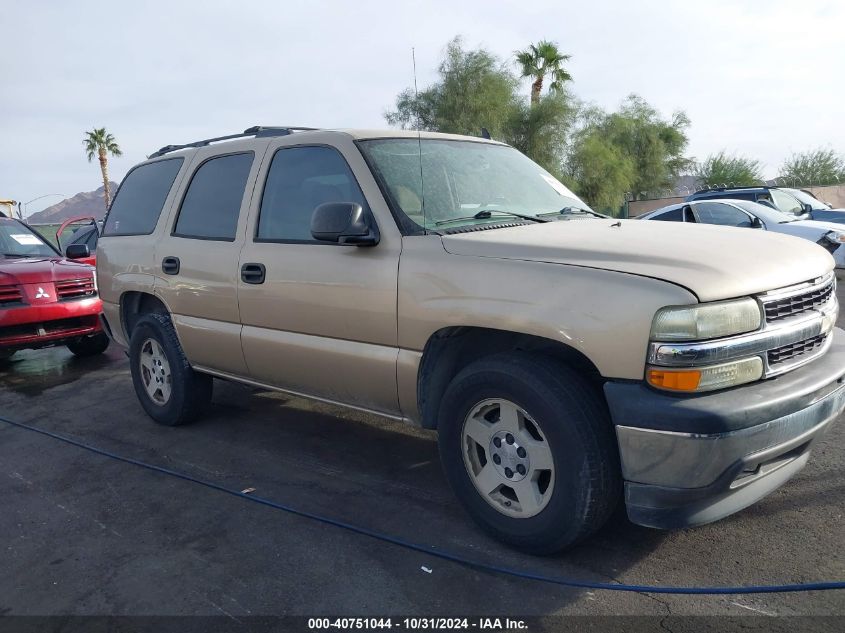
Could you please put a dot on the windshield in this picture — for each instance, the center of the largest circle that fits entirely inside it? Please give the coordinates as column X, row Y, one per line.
column 463, row 180
column 17, row 240
column 806, row 198
column 786, row 202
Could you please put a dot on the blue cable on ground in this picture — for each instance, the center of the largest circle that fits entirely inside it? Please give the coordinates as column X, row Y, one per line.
column 429, row 551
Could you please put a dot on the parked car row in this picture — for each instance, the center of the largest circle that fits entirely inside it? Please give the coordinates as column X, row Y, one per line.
column 800, row 203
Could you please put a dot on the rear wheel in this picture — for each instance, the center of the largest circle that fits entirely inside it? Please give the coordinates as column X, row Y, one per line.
column 90, row 345
column 528, row 447
column 169, row 390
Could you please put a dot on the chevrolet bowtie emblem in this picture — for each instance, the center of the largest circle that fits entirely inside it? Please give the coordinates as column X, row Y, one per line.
column 41, row 294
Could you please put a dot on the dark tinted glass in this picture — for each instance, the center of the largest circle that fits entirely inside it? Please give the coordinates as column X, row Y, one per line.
column 301, row 179
column 213, row 201
column 723, row 214
column 139, row 200
column 675, row 215
column 87, row 235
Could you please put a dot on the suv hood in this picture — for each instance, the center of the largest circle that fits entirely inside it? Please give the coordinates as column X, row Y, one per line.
column 711, row 261
column 31, row 270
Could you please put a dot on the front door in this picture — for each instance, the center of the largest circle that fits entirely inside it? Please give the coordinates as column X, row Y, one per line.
column 197, row 259
column 320, row 320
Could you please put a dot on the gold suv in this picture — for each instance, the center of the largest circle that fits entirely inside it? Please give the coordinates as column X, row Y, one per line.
column 567, row 360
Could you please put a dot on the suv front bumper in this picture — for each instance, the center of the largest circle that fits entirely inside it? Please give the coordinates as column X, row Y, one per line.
column 689, row 460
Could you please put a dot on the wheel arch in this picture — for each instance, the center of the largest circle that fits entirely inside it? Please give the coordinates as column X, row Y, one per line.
column 450, row 349
column 135, row 304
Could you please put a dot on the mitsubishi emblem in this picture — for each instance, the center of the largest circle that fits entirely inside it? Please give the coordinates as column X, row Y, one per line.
column 41, row 294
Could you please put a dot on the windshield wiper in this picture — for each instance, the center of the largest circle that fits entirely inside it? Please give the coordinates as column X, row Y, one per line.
column 20, row 255
column 485, row 214
column 574, row 211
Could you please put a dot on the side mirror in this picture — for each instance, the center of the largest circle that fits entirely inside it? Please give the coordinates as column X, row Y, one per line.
column 756, row 223
column 808, row 208
column 78, row 251
column 344, row 223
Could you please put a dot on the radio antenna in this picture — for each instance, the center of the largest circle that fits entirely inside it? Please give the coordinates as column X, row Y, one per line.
column 419, row 139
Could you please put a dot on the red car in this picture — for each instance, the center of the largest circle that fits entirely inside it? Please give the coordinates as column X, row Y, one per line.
column 80, row 230
column 46, row 299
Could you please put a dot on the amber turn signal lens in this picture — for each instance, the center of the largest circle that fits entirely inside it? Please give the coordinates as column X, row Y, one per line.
column 684, row 380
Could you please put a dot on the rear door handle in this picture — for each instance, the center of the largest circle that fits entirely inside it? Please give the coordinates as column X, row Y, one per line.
column 253, row 273
column 170, row 265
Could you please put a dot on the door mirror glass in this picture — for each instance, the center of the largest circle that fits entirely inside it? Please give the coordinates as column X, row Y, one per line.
column 78, row 251
column 344, row 223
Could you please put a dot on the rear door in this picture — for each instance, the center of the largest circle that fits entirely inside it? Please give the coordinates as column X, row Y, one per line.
column 197, row 258
column 320, row 320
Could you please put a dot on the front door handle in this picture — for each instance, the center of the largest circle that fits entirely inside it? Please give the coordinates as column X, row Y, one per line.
column 170, row 265
column 253, row 273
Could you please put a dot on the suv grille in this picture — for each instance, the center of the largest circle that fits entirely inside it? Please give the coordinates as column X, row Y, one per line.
column 75, row 289
column 789, row 352
column 796, row 304
column 10, row 295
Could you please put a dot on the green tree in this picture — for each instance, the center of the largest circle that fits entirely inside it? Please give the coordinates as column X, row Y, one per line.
column 540, row 131
column 656, row 145
column 101, row 143
column 724, row 169
column 601, row 172
column 474, row 89
column 815, row 167
column 540, row 61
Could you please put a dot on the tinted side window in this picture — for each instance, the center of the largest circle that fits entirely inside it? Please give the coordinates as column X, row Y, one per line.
column 722, row 214
column 675, row 215
column 299, row 180
column 141, row 196
column 212, row 203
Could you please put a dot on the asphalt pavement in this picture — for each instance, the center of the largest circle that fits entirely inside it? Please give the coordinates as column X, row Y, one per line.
column 86, row 535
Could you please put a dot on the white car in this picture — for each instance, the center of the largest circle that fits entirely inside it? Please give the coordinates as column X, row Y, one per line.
column 747, row 214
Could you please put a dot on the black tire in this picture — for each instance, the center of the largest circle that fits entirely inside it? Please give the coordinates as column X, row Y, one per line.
column 190, row 391
column 90, row 345
column 576, row 425
column 6, row 354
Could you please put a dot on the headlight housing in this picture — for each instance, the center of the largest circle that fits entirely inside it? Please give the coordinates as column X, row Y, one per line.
column 707, row 378
column 837, row 237
column 706, row 320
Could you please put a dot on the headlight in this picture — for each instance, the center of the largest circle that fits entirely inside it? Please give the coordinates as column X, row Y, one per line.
column 836, row 236
column 706, row 378
column 706, row 320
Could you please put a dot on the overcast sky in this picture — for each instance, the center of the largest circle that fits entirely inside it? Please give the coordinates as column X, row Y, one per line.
column 761, row 78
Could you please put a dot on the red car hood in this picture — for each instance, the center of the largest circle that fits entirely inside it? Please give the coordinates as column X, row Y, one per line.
column 31, row 270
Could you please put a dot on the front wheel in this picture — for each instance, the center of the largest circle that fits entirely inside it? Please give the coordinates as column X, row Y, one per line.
column 527, row 445
column 89, row 346
column 170, row 391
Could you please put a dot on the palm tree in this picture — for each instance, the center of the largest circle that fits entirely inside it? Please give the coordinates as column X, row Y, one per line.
column 102, row 143
column 539, row 61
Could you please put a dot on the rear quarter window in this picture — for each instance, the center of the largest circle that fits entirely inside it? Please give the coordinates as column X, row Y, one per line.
column 140, row 199
column 675, row 215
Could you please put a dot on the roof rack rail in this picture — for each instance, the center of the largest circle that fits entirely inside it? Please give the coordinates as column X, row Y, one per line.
column 258, row 131
column 732, row 187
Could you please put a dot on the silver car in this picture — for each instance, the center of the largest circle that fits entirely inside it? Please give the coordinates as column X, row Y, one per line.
column 747, row 214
